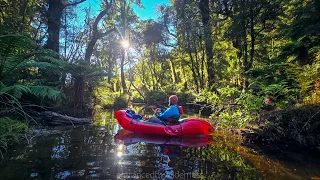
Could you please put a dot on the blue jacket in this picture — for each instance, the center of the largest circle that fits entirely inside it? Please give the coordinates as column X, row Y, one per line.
column 172, row 112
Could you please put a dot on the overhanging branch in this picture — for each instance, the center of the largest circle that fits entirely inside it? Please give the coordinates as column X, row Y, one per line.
column 75, row 3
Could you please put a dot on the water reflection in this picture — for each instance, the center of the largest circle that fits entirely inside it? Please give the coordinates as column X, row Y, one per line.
column 178, row 158
column 82, row 152
column 102, row 151
column 128, row 137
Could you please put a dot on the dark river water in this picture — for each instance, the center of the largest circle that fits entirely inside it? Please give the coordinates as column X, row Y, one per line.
column 104, row 151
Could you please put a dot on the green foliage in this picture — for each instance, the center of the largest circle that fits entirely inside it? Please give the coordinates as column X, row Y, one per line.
column 208, row 97
column 23, row 60
column 158, row 96
column 136, row 97
column 306, row 25
column 161, row 97
column 26, row 73
column 250, row 102
column 10, row 130
column 106, row 97
column 46, row 92
column 275, row 82
column 307, row 77
column 185, row 97
column 299, row 125
column 231, row 108
column 228, row 119
column 120, row 102
column 16, row 15
column 17, row 91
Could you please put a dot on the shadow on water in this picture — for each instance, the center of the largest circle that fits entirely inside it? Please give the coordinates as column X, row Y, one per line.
column 103, row 151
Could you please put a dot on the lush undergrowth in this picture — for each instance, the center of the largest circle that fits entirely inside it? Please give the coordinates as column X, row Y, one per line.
column 270, row 111
column 106, row 97
column 296, row 125
column 11, row 130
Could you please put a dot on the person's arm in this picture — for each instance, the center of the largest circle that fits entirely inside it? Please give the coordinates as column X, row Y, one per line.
column 165, row 114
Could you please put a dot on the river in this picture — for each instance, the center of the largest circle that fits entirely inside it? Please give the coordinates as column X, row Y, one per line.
column 103, row 151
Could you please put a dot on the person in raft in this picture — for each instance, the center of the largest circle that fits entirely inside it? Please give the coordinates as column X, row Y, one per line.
column 171, row 115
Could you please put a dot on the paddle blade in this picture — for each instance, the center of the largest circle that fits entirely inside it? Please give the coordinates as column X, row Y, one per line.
column 170, row 131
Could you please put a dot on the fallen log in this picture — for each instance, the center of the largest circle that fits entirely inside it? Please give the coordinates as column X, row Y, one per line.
column 56, row 119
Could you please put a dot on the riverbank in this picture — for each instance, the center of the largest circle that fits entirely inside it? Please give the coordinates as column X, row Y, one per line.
column 293, row 128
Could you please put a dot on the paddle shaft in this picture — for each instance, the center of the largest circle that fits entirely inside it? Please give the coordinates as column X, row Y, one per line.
column 169, row 127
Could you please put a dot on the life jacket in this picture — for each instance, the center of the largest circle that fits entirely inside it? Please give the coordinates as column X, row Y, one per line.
column 181, row 110
column 174, row 120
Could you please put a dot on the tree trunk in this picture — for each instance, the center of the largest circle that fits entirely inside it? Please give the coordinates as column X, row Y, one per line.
column 153, row 85
column 155, row 76
column 96, row 34
column 65, row 33
column 123, row 82
column 79, row 81
column 202, row 66
column 90, row 47
column 54, row 15
column 205, row 14
column 193, row 71
column 252, row 40
column 245, row 60
column 23, row 14
column 55, row 119
column 143, row 73
column 110, row 68
column 197, row 66
column 185, row 85
column 173, row 70
column 79, row 91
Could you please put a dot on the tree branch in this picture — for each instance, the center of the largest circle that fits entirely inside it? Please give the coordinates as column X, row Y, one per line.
column 75, row 3
column 168, row 31
column 99, row 17
column 95, row 33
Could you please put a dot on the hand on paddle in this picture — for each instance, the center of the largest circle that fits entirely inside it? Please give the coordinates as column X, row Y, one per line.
column 157, row 111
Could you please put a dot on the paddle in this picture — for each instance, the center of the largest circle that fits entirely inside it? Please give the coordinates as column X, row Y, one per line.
column 169, row 130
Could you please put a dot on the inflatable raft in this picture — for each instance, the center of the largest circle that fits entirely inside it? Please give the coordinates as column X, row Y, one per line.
column 185, row 127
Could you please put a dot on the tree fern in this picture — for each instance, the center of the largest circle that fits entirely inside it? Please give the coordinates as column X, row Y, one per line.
column 97, row 73
column 20, row 53
column 39, row 65
column 15, row 90
column 46, row 92
column 40, row 91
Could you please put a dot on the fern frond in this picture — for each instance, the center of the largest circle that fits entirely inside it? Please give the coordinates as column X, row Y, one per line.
column 97, row 73
column 14, row 61
column 51, row 60
column 43, row 65
column 17, row 53
column 15, row 90
column 46, row 92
